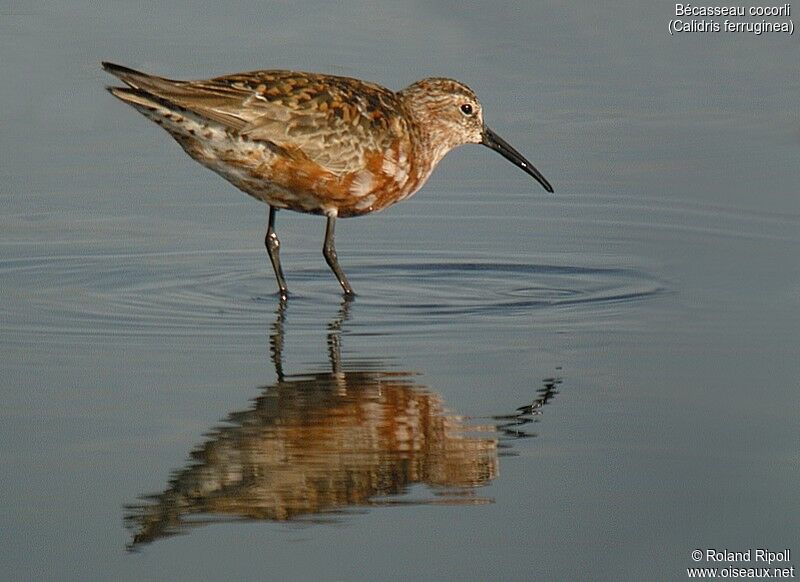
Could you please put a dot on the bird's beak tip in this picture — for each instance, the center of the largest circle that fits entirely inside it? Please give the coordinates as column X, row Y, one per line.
column 491, row 140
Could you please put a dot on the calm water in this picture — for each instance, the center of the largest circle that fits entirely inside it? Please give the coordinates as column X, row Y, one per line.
column 587, row 385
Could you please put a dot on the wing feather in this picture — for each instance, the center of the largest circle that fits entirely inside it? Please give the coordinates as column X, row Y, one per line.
column 333, row 121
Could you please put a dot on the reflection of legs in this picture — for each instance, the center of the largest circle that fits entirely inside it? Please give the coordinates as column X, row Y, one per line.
column 276, row 339
column 329, row 251
column 335, row 336
column 273, row 248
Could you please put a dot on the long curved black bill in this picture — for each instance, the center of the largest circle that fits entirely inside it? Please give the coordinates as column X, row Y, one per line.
column 498, row 144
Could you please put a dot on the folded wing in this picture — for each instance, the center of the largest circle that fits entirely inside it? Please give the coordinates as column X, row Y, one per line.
column 333, row 121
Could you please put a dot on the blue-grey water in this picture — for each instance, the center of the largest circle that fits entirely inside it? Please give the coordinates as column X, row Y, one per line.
column 585, row 385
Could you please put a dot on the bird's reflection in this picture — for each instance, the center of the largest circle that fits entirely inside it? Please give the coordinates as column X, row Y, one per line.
column 311, row 446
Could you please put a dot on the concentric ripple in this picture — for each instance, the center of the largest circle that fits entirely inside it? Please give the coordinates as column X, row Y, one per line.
column 232, row 292
column 500, row 289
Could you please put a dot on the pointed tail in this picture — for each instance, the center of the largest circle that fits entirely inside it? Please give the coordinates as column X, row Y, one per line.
column 139, row 80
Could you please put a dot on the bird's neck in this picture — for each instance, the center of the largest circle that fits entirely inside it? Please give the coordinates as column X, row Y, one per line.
column 430, row 144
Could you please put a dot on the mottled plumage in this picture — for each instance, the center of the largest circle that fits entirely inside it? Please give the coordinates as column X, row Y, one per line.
column 315, row 143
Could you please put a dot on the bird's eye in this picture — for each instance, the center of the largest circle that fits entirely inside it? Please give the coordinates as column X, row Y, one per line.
column 466, row 109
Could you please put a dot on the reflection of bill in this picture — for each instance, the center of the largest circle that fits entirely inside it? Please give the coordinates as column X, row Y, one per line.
column 319, row 443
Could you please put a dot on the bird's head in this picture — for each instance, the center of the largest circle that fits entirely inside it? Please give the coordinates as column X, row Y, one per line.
column 449, row 114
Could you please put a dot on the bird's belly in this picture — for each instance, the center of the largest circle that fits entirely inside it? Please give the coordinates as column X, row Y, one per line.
column 250, row 166
column 296, row 183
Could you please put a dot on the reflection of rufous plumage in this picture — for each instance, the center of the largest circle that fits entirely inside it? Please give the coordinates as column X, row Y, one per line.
column 315, row 444
column 322, row 443
column 318, row 443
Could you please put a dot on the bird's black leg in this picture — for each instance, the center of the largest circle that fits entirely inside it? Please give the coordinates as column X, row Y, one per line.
column 273, row 249
column 329, row 251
